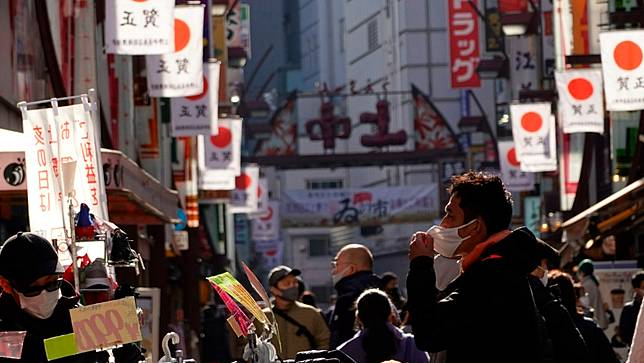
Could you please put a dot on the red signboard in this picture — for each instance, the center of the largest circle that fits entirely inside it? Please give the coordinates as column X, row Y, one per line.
column 513, row 6
column 464, row 48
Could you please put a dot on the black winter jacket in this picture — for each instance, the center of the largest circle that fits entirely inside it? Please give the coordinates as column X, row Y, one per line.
column 489, row 316
column 597, row 342
column 343, row 316
column 12, row 318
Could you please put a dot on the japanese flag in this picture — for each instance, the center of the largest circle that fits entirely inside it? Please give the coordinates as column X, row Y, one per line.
column 513, row 177
column 266, row 226
column 197, row 115
column 180, row 74
column 622, row 54
column 220, row 156
column 580, row 97
column 262, row 196
column 244, row 197
column 139, row 27
column 533, row 131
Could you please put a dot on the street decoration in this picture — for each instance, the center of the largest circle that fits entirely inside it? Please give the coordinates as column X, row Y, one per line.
column 580, row 100
column 198, row 115
column 622, row 55
column 359, row 206
column 180, row 73
column 328, row 126
column 139, row 27
column 433, row 132
column 515, row 179
column 244, row 196
column 262, row 197
column 381, row 120
column 283, row 139
column 534, row 134
column 220, row 156
column 524, row 70
column 266, row 226
column 464, row 48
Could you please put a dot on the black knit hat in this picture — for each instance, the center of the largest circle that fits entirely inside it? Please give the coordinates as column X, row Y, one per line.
column 26, row 257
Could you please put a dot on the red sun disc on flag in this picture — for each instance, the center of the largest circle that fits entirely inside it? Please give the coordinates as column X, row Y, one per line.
column 267, row 217
column 223, row 137
column 205, row 90
column 531, row 121
column 580, row 88
column 181, row 34
column 243, row 181
column 512, row 157
column 627, row 55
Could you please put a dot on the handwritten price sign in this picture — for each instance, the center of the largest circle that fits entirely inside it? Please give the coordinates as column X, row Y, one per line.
column 106, row 325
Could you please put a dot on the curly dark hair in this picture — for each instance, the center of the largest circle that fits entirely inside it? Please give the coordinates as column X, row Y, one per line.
column 483, row 195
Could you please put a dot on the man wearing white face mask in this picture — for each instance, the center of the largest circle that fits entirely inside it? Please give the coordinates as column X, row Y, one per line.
column 37, row 300
column 489, row 314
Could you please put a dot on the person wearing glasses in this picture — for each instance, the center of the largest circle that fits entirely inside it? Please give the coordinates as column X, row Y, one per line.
column 36, row 299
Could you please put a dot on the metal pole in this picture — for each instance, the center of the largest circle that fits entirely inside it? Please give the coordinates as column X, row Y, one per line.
column 72, row 246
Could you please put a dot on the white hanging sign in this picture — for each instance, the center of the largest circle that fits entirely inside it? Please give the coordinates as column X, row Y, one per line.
column 513, row 177
column 580, row 97
column 244, row 197
column 220, row 156
column 266, row 226
column 56, row 140
column 197, row 115
column 139, row 27
column 622, row 55
column 262, row 196
column 180, row 73
column 524, row 64
column 533, row 131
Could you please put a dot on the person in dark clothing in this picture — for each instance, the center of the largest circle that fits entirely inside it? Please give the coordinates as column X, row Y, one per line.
column 567, row 342
column 389, row 282
column 489, row 314
column 599, row 348
column 37, row 300
column 629, row 313
column 352, row 274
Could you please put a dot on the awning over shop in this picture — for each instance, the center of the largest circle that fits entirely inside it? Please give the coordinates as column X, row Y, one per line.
column 623, row 210
column 134, row 196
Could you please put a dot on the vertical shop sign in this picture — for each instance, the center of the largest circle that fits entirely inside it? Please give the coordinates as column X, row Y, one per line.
column 463, row 43
column 139, row 27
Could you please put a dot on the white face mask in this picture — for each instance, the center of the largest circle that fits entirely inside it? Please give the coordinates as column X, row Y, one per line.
column 447, row 240
column 336, row 277
column 41, row 306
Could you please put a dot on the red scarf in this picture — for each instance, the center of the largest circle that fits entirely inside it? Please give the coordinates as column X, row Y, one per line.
column 476, row 253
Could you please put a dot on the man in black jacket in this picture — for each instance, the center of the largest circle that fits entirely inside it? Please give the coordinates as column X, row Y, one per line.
column 352, row 272
column 489, row 314
column 37, row 300
column 628, row 318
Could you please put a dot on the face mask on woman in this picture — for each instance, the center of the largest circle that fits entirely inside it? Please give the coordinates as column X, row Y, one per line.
column 41, row 306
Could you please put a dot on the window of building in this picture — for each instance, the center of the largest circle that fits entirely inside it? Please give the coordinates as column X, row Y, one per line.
column 372, row 34
column 324, row 184
column 319, row 246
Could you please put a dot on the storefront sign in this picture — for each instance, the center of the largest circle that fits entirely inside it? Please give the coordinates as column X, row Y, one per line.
column 267, row 226
column 56, row 136
column 139, row 27
column 105, row 325
column 580, row 99
column 532, row 213
column 621, row 53
column 493, row 31
column 244, row 197
column 198, row 115
column 463, row 43
column 515, row 179
column 359, row 206
column 180, row 73
column 524, row 64
column 244, row 33
column 534, row 134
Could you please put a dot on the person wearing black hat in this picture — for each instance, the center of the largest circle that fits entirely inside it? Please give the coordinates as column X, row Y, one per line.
column 36, row 299
column 301, row 326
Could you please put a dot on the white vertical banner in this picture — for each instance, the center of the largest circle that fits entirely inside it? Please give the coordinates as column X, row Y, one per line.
column 244, row 197
column 266, row 226
column 198, row 115
column 139, row 27
column 271, row 252
column 621, row 52
column 180, row 73
column 262, row 195
column 513, row 177
column 580, row 99
column 58, row 136
column 562, row 24
column 524, row 63
column 220, row 156
column 533, row 131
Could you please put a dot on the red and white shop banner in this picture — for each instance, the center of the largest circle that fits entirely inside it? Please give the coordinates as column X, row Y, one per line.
column 580, row 100
column 266, row 226
column 621, row 52
column 464, row 46
column 197, row 115
column 180, row 73
column 262, row 196
column 220, row 156
column 534, row 134
column 139, row 27
column 271, row 253
column 55, row 138
column 244, row 196
column 515, row 179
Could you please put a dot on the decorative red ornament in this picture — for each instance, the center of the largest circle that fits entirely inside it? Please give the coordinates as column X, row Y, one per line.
column 330, row 126
column 381, row 119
